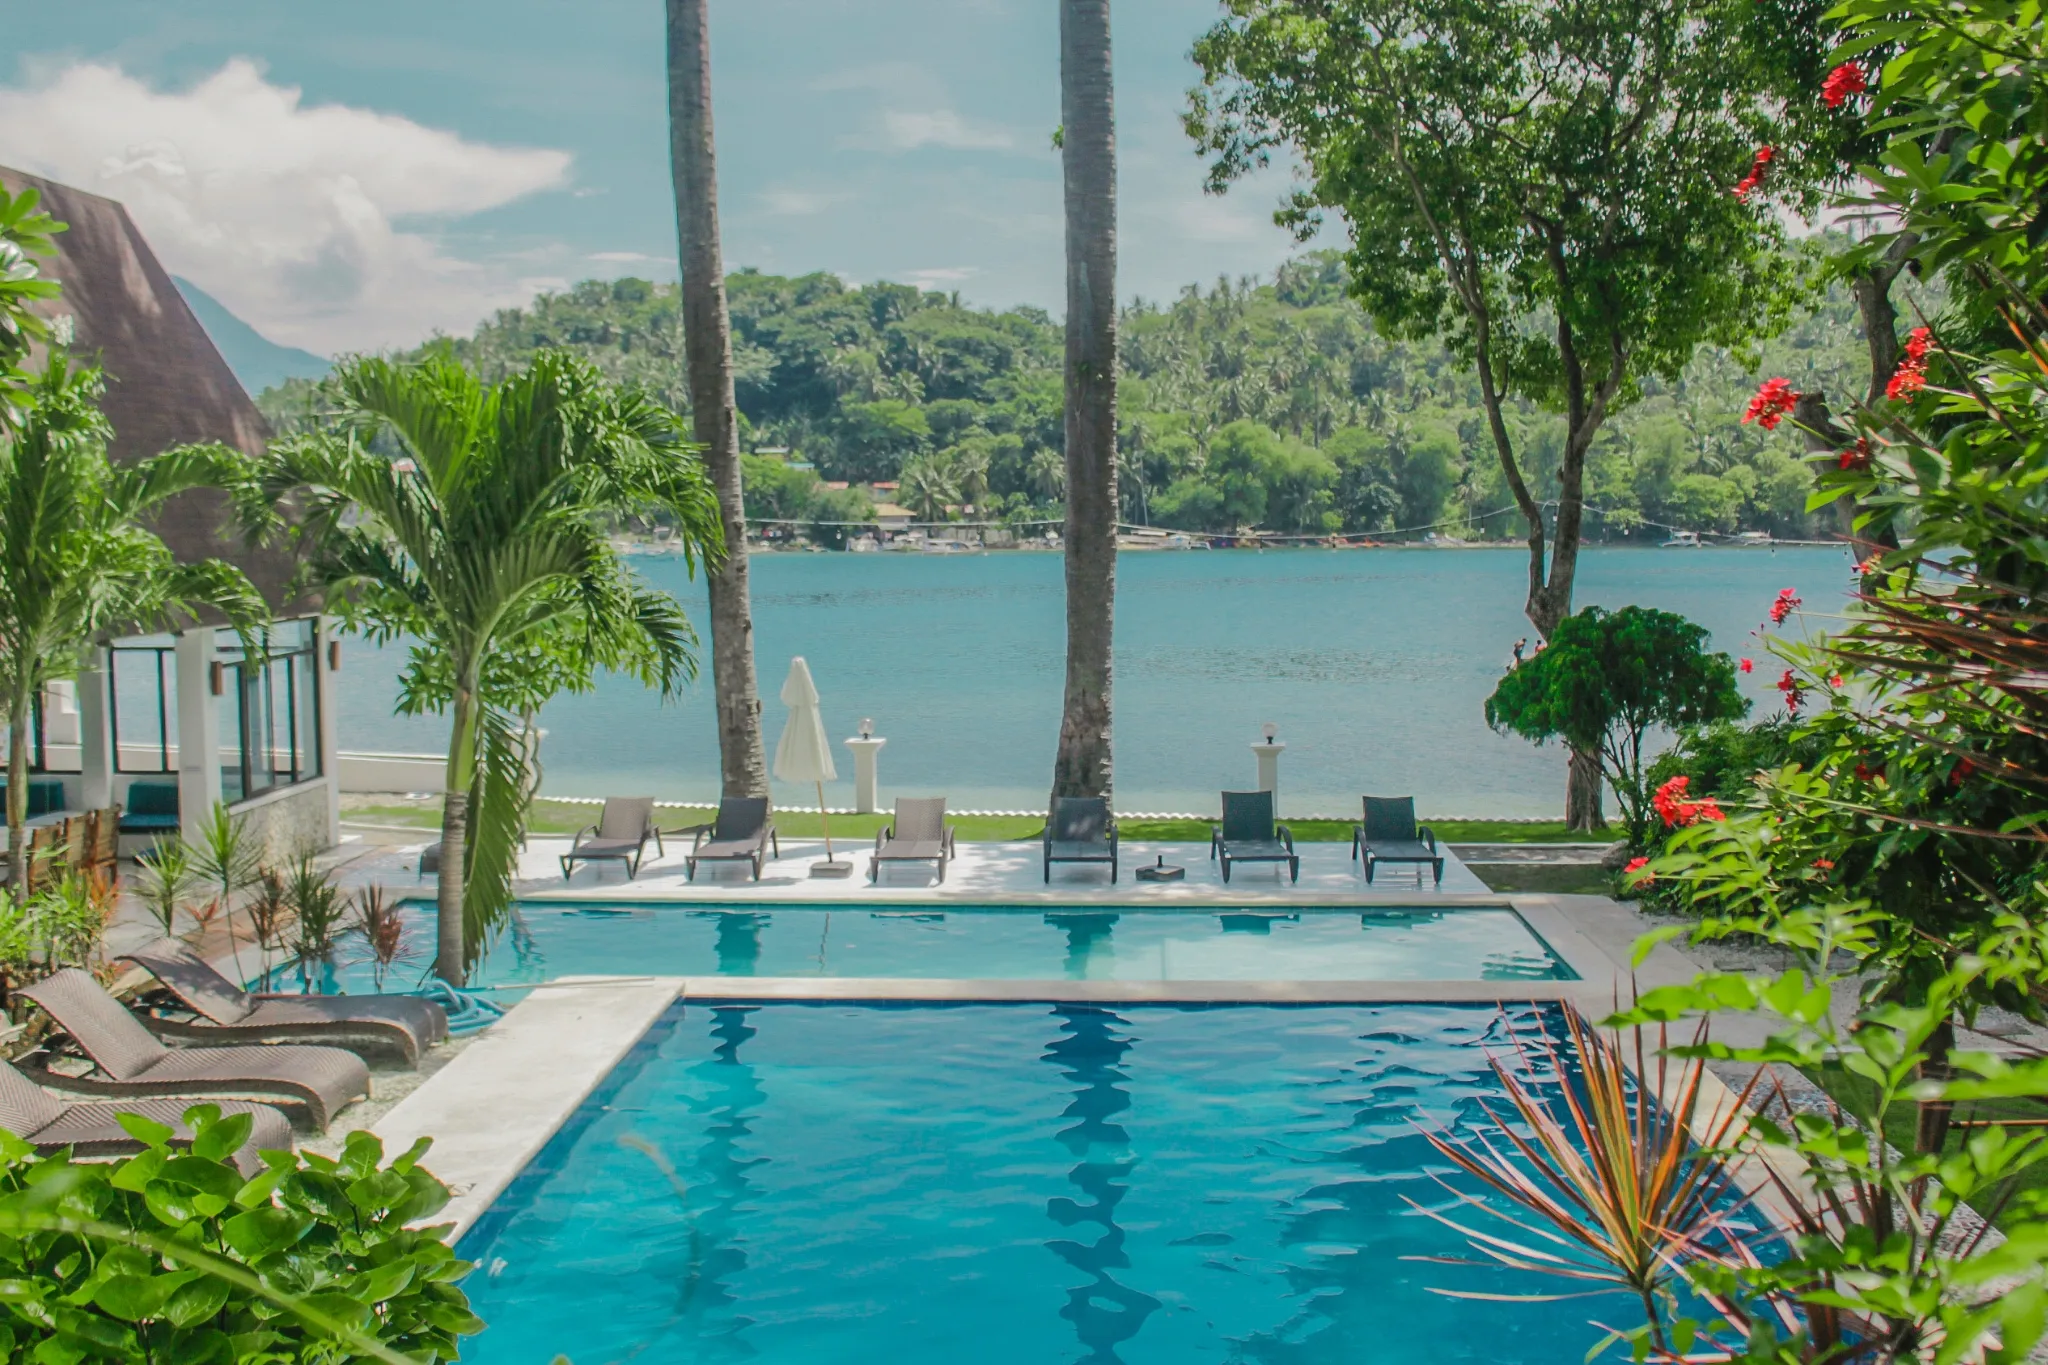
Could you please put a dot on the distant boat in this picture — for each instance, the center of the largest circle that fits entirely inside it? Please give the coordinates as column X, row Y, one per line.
column 1754, row 538
column 1689, row 540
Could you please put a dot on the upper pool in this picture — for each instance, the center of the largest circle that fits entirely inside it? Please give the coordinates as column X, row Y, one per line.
column 794, row 1184
column 549, row 940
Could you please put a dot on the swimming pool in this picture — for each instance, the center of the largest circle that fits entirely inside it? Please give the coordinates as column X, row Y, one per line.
column 1152, row 1185
column 551, row 940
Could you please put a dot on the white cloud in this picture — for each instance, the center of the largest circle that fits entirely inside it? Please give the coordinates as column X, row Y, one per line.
column 907, row 130
column 621, row 257
column 941, row 275
column 290, row 214
column 788, row 203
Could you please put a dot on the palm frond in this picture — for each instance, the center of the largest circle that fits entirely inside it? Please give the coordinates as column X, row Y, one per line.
column 498, row 803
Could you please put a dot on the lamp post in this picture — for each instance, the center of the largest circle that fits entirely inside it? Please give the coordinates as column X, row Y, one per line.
column 866, row 747
column 1268, row 751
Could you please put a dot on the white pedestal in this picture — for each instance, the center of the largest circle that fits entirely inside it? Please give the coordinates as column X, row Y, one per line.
column 864, row 781
column 1269, row 770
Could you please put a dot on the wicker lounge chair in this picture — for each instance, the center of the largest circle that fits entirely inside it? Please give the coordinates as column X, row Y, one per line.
column 619, row 836
column 1390, row 835
column 1081, row 830
column 918, row 834
column 91, row 1130
column 1248, row 834
column 401, row 1025
column 131, row 1061
column 742, row 833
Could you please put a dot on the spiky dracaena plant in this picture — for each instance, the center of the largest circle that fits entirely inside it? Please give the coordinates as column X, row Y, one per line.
column 77, row 562
column 483, row 546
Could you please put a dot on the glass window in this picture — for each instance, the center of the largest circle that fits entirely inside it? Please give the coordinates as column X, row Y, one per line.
column 143, row 708
column 270, row 713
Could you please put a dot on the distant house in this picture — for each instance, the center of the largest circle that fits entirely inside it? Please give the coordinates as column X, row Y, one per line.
column 890, row 517
column 184, row 713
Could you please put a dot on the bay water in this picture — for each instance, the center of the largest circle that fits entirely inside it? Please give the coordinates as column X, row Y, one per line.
column 1374, row 665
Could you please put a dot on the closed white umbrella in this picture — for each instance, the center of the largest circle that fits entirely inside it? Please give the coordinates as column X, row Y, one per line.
column 803, row 754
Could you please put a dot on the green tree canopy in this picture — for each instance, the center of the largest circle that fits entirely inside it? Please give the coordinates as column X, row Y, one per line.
column 1605, row 679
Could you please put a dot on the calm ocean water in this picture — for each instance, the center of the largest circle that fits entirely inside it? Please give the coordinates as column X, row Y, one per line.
column 1373, row 664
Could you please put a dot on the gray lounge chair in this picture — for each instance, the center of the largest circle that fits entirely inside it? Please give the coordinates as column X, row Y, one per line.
column 1081, row 830
column 619, row 836
column 132, row 1062
column 1390, row 835
column 918, row 834
column 741, row 833
column 404, row 1025
column 1249, row 835
column 91, row 1130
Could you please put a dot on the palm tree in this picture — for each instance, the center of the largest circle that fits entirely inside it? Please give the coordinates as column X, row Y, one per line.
column 484, row 546
column 927, row 489
column 1046, row 476
column 1081, row 766
column 970, row 473
column 714, row 413
column 77, row 565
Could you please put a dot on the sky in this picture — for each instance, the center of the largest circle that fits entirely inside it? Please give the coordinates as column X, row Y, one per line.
column 358, row 176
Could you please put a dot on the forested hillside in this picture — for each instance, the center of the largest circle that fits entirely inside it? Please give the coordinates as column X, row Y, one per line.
column 1268, row 404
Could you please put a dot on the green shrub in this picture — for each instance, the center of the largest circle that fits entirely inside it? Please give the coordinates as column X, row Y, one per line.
column 172, row 1256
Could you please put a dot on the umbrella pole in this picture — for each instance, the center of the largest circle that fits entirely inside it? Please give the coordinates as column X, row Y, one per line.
column 825, row 823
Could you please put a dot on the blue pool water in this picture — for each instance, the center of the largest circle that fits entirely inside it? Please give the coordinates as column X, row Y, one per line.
column 550, row 940
column 809, row 1184
column 1374, row 664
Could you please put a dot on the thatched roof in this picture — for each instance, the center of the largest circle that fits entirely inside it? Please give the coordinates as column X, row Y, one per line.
column 166, row 384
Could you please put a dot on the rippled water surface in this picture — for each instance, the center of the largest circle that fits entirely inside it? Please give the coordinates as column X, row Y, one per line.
column 1374, row 664
column 551, row 940
column 1013, row 1185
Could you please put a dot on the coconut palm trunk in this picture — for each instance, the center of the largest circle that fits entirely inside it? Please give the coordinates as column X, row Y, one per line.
column 1088, row 139
column 707, row 351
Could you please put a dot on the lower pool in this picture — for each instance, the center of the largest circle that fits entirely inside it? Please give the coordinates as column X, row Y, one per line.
column 550, row 940
column 798, row 1184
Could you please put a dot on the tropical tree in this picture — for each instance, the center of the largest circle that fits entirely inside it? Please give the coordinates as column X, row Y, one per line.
column 1081, row 766
column 77, row 563
column 928, row 489
column 1544, row 183
column 483, row 547
column 25, row 233
column 1046, row 476
column 1605, row 680
column 714, row 412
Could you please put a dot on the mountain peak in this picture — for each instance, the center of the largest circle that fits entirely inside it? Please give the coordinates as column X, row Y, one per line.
column 258, row 362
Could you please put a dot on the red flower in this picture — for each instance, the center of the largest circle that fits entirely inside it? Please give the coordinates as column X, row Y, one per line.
column 1845, row 80
column 1747, row 665
column 1863, row 772
column 1672, row 807
column 1911, row 376
column 1771, row 403
column 1962, row 770
column 1824, row 864
column 1757, row 167
column 1787, row 602
column 1856, row 456
column 1794, row 691
column 1870, row 565
column 1636, row 865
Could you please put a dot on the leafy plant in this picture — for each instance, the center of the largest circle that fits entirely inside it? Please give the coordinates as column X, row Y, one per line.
column 381, row 922
column 319, row 912
column 166, row 881
column 1606, row 679
column 270, row 910
column 228, row 859
column 173, row 1255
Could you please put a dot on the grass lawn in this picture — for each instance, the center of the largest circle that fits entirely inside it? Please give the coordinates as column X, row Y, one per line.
column 566, row 817
column 1899, row 1125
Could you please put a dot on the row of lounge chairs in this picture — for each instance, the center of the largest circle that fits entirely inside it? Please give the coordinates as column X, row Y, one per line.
column 1079, row 830
column 306, row 1052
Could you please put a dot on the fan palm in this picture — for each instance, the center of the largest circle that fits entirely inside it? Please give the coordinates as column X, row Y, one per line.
column 484, row 548
column 76, row 564
column 927, row 489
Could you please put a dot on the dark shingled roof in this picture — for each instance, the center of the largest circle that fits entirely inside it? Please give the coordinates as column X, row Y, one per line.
column 166, row 384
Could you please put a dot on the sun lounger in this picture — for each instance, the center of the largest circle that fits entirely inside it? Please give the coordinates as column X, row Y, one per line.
column 741, row 833
column 918, row 834
column 404, row 1025
column 91, row 1130
column 1249, row 835
column 132, row 1062
column 619, row 836
column 1081, row 830
column 1390, row 835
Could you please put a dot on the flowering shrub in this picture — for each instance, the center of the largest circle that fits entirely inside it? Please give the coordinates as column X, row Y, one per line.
column 1911, row 376
column 1677, row 812
column 1787, row 602
column 1857, row 456
column 1757, row 167
column 1793, row 690
column 1845, row 80
column 1772, row 402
